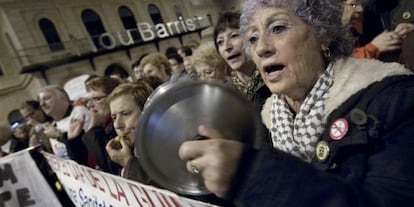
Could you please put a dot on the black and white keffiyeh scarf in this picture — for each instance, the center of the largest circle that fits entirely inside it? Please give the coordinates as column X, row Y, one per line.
column 299, row 134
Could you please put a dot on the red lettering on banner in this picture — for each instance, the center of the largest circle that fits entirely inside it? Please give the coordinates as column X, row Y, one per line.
column 168, row 200
column 96, row 180
column 160, row 198
column 149, row 195
column 113, row 195
column 120, row 191
column 77, row 173
column 90, row 180
column 65, row 169
column 141, row 198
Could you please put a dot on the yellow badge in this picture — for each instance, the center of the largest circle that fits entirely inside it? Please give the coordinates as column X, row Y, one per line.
column 322, row 150
column 406, row 15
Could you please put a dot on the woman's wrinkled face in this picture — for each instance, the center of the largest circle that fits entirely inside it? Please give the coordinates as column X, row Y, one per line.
column 125, row 112
column 285, row 50
column 207, row 72
column 230, row 47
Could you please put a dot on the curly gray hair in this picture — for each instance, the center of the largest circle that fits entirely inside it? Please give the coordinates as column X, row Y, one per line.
column 324, row 16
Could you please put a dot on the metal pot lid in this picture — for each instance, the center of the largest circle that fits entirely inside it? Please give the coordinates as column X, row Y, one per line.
column 171, row 116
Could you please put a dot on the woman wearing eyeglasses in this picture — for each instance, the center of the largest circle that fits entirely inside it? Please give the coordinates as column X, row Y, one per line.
column 208, row 64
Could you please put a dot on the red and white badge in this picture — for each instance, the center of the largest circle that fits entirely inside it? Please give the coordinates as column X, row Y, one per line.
column 338, row 129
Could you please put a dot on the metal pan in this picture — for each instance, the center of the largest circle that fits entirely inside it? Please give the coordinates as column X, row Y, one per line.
column 171, row 116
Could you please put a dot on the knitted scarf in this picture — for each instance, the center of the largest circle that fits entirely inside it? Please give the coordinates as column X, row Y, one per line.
column 299, row 134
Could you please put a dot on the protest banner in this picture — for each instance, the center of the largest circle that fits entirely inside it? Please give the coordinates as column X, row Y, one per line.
column 88, row 187
column 22, row 184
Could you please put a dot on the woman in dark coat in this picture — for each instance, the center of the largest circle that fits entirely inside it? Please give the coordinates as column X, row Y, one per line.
column 342, row 128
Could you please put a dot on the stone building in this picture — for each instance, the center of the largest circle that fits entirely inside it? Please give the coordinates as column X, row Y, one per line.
column 52, row 41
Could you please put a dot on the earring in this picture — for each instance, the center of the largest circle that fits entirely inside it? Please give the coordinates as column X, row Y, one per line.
column 327, row 53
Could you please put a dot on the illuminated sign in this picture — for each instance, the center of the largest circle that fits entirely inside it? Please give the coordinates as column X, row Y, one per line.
column 149, row 32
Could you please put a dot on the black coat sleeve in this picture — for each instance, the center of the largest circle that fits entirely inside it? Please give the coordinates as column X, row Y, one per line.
column 134, row 171
column 95, row 140
column 76, row 149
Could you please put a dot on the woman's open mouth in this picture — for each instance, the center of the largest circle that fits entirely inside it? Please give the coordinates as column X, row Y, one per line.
column 273, row 72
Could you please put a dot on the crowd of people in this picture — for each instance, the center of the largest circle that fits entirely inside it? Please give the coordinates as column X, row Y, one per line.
column 336, row 116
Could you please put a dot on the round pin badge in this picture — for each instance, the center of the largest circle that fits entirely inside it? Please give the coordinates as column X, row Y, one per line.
column 338, row 129
column 322, row 150
column 406, row 15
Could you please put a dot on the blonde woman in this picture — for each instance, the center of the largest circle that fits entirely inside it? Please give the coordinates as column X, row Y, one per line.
column 208, row 64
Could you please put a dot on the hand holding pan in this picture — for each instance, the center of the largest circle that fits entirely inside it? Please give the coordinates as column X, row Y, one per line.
column 172, row 115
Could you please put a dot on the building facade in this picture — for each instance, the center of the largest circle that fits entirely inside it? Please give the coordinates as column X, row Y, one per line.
column 52, row 41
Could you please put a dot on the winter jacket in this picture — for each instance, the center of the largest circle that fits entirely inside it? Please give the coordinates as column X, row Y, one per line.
column 371, row 165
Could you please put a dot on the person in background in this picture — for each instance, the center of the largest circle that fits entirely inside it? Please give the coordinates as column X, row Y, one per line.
column 341, row 127
column 388, row 15
column 118, row 72
column 244, row 75
column 208, row 64
column 126, row 103
column 170, row 50
column 178, row 70
column 55, row 102
column 5, row 134
column 36, row 118
column 186, row 52
column 138, row 71
column 33, row 113
column 352, row 17
column 177, row 63
column 156, row 64
column 8, row 142
column 101, row 129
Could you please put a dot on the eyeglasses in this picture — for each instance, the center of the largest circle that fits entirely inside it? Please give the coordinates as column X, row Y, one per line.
column 96, row 99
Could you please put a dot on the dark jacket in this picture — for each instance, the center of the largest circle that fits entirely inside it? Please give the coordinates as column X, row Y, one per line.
column 134, row 171
column 95, row 140
column 372, row 165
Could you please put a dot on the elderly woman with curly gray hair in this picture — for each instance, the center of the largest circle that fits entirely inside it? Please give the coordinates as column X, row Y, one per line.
column 342, row 128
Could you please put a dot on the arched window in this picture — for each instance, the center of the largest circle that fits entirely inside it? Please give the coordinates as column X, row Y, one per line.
column 155, row 14
column 95, row 28
column 50, row 34
column 129, row 22
column 178, row 12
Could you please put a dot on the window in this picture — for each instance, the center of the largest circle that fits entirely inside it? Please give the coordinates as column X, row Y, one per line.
column 178, row 12
column 50, row 34
column 129, row 22
column 155, row 14
column 95, row 28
